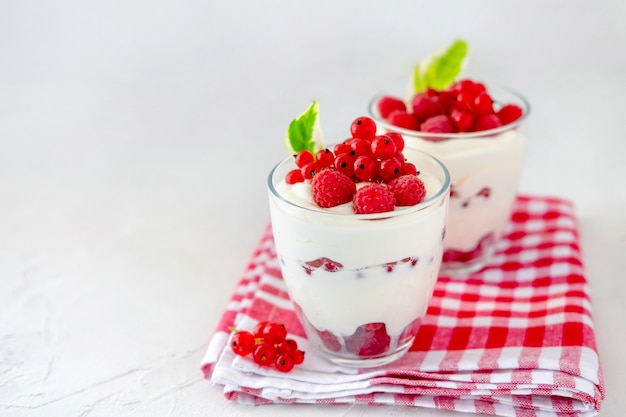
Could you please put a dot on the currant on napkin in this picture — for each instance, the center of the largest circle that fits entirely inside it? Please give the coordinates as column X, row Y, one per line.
column 269, row 346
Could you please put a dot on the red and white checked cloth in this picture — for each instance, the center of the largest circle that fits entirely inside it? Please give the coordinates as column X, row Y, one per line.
column 514, row 339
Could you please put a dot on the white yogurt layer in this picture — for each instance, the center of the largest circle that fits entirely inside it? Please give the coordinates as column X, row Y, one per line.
column 494, row 163
column 364, row 290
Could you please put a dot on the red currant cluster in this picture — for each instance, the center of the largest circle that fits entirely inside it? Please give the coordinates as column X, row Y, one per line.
column 365, row 156
column 466, row 106
column 269, row 346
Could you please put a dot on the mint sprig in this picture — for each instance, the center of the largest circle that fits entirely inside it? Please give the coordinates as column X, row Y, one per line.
column 440, row 70
column 304, row 132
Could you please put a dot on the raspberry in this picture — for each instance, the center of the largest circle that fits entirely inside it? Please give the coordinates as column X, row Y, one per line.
column 403, row 119
column 331, row 188
column 437, row 124
column 408, row 190
column 369, row 340
column 486, row 122
column 373, row 198
column 388, row 104
column 426, row 105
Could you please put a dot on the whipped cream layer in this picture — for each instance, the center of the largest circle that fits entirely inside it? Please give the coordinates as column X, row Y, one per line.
column 485, row 173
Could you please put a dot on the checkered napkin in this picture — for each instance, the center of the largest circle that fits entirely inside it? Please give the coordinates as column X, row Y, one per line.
column 514, row 339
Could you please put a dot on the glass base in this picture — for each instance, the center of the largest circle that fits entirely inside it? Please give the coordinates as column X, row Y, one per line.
column 458, row 263
column 366, row 362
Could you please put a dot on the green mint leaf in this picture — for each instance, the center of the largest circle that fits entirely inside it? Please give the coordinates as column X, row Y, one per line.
column 303, row 132
column 440, row 70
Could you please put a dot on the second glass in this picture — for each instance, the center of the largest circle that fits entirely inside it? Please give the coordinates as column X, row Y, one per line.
column 485, row 169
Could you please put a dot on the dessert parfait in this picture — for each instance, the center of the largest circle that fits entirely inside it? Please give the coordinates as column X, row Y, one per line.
column 358, row 229
column 478, row 132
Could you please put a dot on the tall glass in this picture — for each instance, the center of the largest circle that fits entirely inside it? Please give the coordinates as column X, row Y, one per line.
column 485, row 169
column 361, row 282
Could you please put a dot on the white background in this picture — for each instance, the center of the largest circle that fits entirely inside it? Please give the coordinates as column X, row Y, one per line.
column 136, row 137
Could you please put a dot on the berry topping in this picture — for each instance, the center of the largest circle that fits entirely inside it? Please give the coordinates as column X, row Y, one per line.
column 408, row 190
column 304, row 157
column 363, row 157
column 309, row 170
column 387, row 105
column 398, row 140
column 509, row 113
column 437, row 124
column 365, row 167
column 404, row 120
column 467, row 104
column 373, row 198
column 325, row 158
column 363, row 127
column 331, row 188
column 487, row 121
column 269, row 346
column 294, row 176
column 383, row 147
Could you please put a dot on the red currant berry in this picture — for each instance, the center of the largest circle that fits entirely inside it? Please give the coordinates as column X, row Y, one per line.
column 482, row 104
column 365, row 167
column 363, row 127
column 462, row 119
column 304, row 157
column 341, row 148
column 398, row 140
column 242, row 343
column 408, row 169
column 383, row 147
column 298, row 356
column 389, row 169
column 294, row 176
column 360, row 147
column 284, row 363
column 309, row 170
column 325, row 158
column 344, row 163
column 509, row 113
column 258, row 329
column 284, row 347
column 274, row 333
column 292, row 344
column 264, row 354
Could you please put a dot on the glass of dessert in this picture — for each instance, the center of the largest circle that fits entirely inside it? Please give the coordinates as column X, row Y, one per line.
column 358, row 231
column 478, row 131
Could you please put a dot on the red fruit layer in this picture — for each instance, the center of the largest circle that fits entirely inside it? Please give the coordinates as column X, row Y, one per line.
column 458, row 256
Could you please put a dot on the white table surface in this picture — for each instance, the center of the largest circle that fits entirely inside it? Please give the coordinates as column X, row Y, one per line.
column 135, row 141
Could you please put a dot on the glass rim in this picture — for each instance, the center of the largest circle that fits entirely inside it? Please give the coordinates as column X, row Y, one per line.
column 374, row 216
column 373, row 112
